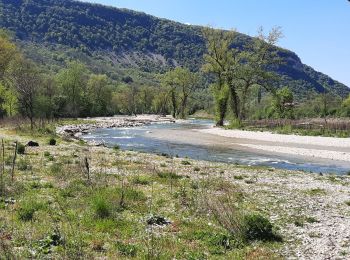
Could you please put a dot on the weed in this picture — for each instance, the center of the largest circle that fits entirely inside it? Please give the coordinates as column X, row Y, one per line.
column 101, row 207
column 185, row 162
column 23, row 165
column 169, row 175
column 141, row 180
column 128, row 250
column 56, row 168
column 28, row 208
column 21, row 148
column 315, row 192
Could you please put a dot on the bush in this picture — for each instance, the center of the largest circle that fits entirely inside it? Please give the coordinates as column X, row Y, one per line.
column 141, row 180
column 27, row 209
column 185, row 162
column 101, row 207
column 169, row 175
column 116, row 147
column 52, row 141
column 21, row 148
column 127, row 249
column 23, row 165
column 56, row 168
column 257, row 227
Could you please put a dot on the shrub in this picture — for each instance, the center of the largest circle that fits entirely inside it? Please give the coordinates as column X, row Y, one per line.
column 127, row 249
column 141, row 180
column 185, row 162
column 21, row 148
column 28, row 208
column 257, row 227
column 23, row 165
column 101, row 207
column 56, row 168
column 169, row 175
column 46, row 154
column 52, row 141
column 116, row 147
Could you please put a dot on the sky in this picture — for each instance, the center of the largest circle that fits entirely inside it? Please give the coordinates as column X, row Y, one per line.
column 317, row 30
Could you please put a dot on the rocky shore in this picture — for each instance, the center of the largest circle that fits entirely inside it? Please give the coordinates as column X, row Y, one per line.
column 77, row 130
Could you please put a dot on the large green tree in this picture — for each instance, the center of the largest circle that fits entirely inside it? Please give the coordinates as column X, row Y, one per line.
column 238, row 71
column 72, row 82
column 219, row 61
column 181, row 83
column 23, row 76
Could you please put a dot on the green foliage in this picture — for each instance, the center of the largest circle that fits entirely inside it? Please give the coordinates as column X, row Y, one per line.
column 120, row 46
column 345, row 108
column 168, row 175
column 116, row 147
column 52, row 141
column 283, row 103
column 179, row 83
column 257, row 227
column 185, row 162
column 21, row 148
column 23, row 165
column 128, row 250
column 101, row 207
column 27, row 209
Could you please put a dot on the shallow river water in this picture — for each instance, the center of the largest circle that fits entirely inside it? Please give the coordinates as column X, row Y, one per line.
column 139, row 139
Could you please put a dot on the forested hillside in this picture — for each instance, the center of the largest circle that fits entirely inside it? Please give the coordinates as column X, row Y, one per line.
column 121, row 42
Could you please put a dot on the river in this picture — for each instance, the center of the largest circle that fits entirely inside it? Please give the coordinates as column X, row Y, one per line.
column 159, row 139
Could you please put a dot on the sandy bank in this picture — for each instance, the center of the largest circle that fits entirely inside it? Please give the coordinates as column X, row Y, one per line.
column 280, row 138
column 309, row 146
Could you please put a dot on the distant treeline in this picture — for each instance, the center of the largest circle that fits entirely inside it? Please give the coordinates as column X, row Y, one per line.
column 243, row 87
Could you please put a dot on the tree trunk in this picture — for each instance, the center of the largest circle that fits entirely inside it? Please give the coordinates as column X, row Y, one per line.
column 235, row 101
column 173, row 102
column 221, row 110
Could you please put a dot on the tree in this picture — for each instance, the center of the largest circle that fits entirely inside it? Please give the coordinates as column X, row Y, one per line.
column 126, row 99
column 72, row 82
column 219, row 62
column 8, row 52
column 345, row 107
column 181, row 83
column 98, row 95
column 237, row 71
column 283, row 103
column 168, row 81
column 8, row 100
column 24, row 77
column 255, row 67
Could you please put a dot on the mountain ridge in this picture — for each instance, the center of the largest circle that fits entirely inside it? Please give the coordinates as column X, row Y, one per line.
column 131, row 39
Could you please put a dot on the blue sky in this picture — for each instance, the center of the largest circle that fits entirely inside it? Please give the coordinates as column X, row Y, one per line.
column 318, row 31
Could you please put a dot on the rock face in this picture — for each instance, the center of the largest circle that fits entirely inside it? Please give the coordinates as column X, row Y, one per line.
column 76, row 131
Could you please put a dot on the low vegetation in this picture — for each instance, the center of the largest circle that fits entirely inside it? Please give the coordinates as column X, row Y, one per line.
column 123, row 208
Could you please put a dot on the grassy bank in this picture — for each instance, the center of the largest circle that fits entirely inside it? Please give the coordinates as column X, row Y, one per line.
column 70, row 200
